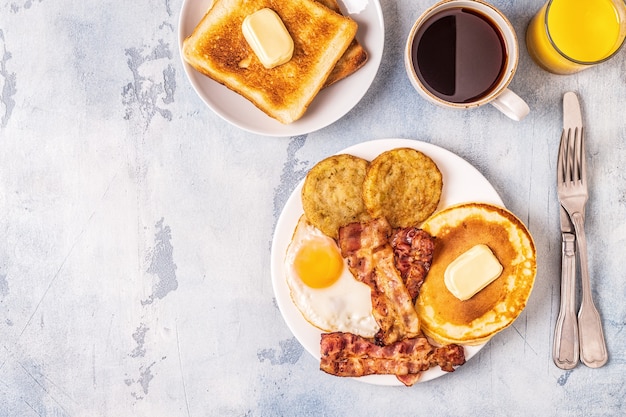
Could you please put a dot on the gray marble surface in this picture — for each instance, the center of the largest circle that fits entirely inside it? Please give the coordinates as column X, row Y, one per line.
column 136, row 226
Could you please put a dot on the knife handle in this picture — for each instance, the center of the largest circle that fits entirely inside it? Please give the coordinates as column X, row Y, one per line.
column 565, row 349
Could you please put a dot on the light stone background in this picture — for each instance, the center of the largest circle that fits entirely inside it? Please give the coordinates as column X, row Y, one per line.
column 135, row 228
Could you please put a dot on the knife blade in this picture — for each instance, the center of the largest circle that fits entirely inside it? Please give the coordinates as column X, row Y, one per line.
column 572, row 116
column 565, row 350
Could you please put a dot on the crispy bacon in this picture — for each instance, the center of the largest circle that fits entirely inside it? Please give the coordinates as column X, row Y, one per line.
column 399, row 348
column 371, row 261
column 409, row 379
column 346, row 354
column 413, row 249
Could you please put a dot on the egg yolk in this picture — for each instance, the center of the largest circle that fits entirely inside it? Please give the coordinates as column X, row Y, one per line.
column 318, row 264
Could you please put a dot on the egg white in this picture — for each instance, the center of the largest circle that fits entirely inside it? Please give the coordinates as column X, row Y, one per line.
column 344, row 306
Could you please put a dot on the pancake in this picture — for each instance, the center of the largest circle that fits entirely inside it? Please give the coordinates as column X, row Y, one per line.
column 445, row 318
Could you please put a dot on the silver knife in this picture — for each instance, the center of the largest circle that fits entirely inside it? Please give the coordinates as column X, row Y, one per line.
column 565, row 346
column 591, row 341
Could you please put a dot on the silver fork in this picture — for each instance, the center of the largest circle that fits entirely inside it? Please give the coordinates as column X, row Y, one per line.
column 573, row 195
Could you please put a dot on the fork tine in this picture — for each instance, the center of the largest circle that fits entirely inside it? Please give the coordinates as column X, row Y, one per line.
column 571, row 163
column 580, row 155
column 571, row 156
column 569, row 159
column 562, row 158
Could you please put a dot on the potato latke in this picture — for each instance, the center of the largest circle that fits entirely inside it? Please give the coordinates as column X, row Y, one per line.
column 402, row 185
column 332, row 193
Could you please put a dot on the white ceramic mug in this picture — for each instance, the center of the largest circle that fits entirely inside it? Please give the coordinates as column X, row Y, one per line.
column 499, row 94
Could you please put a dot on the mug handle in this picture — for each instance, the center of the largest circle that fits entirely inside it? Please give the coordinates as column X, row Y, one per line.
column 511, row 105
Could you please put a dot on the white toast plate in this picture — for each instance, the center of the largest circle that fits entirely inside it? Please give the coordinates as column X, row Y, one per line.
column 327, row 107
column 462, row 183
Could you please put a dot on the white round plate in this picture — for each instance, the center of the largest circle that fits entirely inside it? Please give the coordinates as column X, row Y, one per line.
column 328, row 106
column 461, row 183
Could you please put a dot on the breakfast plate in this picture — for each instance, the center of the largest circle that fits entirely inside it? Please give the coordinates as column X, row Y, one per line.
column 328, row 106
column 462, row 183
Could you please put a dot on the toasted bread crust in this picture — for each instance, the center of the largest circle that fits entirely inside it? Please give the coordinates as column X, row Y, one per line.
column 218, row 49
column 354, row 57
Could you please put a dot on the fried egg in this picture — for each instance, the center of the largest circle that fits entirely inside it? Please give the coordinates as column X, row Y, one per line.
column 323, row 288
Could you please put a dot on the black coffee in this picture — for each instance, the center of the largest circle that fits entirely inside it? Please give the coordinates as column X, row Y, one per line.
column 459, row 55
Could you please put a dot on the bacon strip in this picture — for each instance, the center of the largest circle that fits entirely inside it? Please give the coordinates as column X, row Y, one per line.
column 413, row 249
column 371, row 261
column 409, row 379
column 347, row 354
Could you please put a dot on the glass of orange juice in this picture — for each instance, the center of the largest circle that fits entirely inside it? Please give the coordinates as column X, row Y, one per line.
column 567, row 36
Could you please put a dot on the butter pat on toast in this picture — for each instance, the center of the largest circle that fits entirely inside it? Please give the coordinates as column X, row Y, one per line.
column 218, row 49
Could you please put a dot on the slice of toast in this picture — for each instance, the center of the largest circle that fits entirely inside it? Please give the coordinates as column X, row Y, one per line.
column 218, row 49
column 354, row 57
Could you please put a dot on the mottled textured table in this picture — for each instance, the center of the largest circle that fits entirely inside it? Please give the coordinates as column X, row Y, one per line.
column 136, row 227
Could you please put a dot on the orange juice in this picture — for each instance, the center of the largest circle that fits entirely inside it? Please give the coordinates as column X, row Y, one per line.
column 567, row 36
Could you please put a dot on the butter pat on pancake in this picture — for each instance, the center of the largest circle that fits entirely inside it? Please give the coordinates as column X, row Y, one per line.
column 457, row 229
column 472, row 271
column 332, row 193
column 402, row 185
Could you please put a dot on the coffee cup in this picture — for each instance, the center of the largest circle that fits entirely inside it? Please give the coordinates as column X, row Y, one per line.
column 463, row 54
